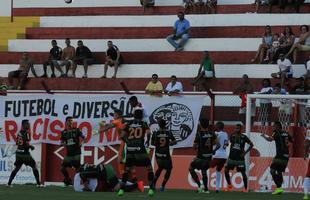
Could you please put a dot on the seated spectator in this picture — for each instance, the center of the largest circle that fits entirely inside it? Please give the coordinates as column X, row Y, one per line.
column 264, row 46
column 147, row 3
column 53, row 59
column 211, row 6
column 200, row 6
column 83, row 56
column 272, row 50
column 277, row 89
column 303, row 43
column 259, row 3
column 181, row 32
column 206, row 69
column 188, row 5
column 25, row 64
column 300, row 88
column 287, row 40
column 297, row 4
column 113, row 58
column 174, row 87
column 307, row 74
column 67, row 57
column 285, row 69
column 154, row 87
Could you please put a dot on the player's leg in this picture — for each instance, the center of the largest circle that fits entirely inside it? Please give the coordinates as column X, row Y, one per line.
column 157, row 174
column 219, row 164
column 195, row 165
column 35, row 171
column 276, row 169
column 205, row 180
column 166, row 178
column 241, row 168
column 129, row 163
column 63, row 169
column 18, row 164
column 229, row 166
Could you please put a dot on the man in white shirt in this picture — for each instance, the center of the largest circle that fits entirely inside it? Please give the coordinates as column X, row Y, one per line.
column 285, row 69
column 174, row 87
column 220, row 156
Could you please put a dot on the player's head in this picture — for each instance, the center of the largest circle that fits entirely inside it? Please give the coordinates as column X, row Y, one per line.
column 138, row 114
column 204, row 123
column 277, row 126
column 67, row 41
column 110, row 44
column 206, row 53
column 162, row 124
column 238, row 128
column 117, row 114
column 25, row 124
column 54, row 43
column 133, row 101
column 219, row 126
column 266, row 82
column 80, row 43
column 69, row 122
column 25, row 55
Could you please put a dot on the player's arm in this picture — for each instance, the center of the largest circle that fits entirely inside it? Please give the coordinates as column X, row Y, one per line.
column 106, row 127
column 218, row 145
column 251, row 145
column 121, row 133
column 267, row 137
column 307, row 146
column 153, row 139
column 196, row 141
column 148, row 137
column 62, row 140
column 173, row 141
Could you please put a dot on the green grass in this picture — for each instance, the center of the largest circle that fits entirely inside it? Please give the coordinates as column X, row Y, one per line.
column 29, row 192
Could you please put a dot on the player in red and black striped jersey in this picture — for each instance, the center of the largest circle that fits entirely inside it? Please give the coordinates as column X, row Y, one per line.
column 23, row 155
column 162, row 139
column 205, row 139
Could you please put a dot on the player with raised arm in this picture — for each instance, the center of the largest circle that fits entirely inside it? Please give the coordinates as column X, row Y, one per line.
column 236, row 156
column 23, row 155
column 162, row 139
column 307, row 178
column 70, row 138
column 204, row 142
column 220, row 156
column 136, row 155
column 279, row 163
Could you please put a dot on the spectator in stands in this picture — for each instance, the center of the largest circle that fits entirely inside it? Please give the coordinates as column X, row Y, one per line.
column 307, row 74
column 67, row 57
column 303, row 43
column 285, row 70
column 259, row 3
column 297, row 4
column 200, row 6
column 188, row 5
column 206, row 69
column 211, row 6
column 266, row 44
column 300, row 88
column 181, row 32
column 53, row 59
column 174, row 87
column 154, row 87
column 147, row 3
column 113, row 58
column 3, row 86
column 25, row 64
column 287, row 40
column 244, row 88
column 277, row 89
column 272, row 50
column 265, row 104
column 83, row 56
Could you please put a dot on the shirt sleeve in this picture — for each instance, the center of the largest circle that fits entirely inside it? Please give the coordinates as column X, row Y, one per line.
column 159, row 86
column 175, row 25
column 168, row 87
column 148, row 86
column 187, row 25
column 80, row 133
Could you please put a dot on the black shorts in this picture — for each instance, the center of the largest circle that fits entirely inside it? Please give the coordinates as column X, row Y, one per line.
column 201, row 164
column 25, row 159
column 138, row 159
column 279, row 164
column 72, row 161
column 80, row 61
column 18, row 73
column 239, row 164
column 164, row 163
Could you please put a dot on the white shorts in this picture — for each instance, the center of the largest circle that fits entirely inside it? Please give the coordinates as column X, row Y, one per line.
column 64, row 62
column 243, row 110
column 208, row 74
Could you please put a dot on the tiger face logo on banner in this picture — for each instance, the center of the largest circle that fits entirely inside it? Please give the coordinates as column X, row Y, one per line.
column 179, row 119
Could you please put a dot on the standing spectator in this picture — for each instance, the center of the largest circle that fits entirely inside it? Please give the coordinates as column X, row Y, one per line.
column 265, row 104
column 272, row 50
column 147, row 3
column 67, row 57
column 303, row 43
column 113, row 58
column 266, row 44
column 83, row 56
column 285, row 69
column 211, row 6
column 243, row 90
column 174, row 87
column 154, row 87
column 206, row 69
column 287, row 40
column 54, row 57
column 25, row 64
column 181, row 32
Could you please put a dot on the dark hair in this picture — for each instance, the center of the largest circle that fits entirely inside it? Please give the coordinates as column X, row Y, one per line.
column 204, row 122
column 69, row 117
column 268, row 80
column 290, row 30
column 138, row 114
column 162, row 123
column 54, row 41
column 173, row 76
column 24, row 121
column 220, row 125
column 181, row 12
column 277, row 123
column 80, row 41
column 118, row 111
column 154, row 75
column 67, row 38
column 268, row 26
column 240, row 125
column 307, row 28
column 133, row 98
column 110, row 41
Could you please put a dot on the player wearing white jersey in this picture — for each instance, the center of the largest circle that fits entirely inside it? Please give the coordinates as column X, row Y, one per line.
column 220, row 157
column 307, row 178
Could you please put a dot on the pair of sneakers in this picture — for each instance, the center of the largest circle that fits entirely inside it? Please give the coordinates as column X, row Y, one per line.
column 121, row 192
column 202, row 190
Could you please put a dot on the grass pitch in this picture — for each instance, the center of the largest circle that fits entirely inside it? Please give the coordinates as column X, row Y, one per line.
column 29, row 192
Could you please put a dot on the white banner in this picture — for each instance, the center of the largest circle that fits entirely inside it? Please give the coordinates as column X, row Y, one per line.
column 47, row 114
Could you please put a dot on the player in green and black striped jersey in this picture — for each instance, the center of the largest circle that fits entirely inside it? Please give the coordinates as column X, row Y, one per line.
column 204, row 142
column 70, row 138
column 279, row 163
column 22, row 153
column 162, row 139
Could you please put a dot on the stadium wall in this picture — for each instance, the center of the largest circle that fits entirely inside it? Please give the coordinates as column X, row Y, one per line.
column 5, row 8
